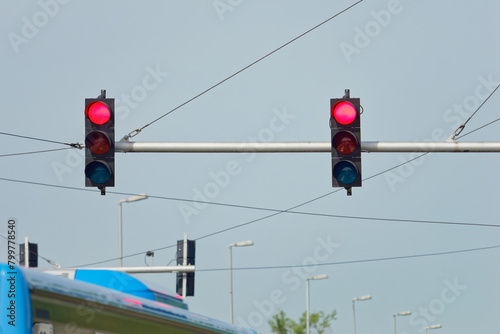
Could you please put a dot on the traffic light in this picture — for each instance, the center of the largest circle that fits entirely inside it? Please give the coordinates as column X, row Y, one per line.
column 32, row 255
column 345, row 126
column 191, row 249
column 100, row 142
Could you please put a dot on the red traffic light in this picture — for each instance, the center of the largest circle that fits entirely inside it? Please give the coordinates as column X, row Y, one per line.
column 100, row 142
column 98, row 112
column 344, row 112
column 345, row 125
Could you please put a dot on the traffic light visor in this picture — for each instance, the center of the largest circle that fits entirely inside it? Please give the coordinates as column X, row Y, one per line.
column 344, row 112
column 98, row 113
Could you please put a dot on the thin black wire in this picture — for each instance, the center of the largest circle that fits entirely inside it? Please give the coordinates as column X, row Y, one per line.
column 44, row 258
column 302, row 204
column 125, row 256
column 275, row 211
column 262, row 218
column 38, row 139
column 468, row 133
column 397, row 166
column 136, row 131
column 462, row 127
column 34, row 152
column 354, row 261
column 49, row 185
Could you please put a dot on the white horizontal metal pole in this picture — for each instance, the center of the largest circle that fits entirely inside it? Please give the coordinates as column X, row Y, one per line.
column 302, row 147
column 443, row 147
column 144, row 270
column 221, row 147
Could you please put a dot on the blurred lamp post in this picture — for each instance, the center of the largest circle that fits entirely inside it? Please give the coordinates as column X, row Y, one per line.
column 237, row 244
column 432, row 327
column 368, row 297
column 120, row 236
column 394, row 318
column 324, row 276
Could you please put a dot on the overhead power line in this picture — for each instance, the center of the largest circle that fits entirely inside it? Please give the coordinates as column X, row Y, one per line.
column 462, row 127
column 479, row 128
column 74, row 145
column 34, row 152
column 275, row 211
column 356, row 261
column 328, row 263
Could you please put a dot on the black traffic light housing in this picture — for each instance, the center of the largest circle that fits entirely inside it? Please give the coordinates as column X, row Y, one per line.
column 100, row 142
column 32, row 255
column 191, row 250
column 345, row 125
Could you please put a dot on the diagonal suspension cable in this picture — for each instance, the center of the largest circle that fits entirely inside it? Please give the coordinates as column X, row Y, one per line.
column 138, row 130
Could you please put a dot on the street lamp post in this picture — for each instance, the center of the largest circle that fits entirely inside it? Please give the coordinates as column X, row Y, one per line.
column 394, row 318
column 432, row 327
column 367, row 297
column 120, row 235
column 324, row 276
column 237, row 244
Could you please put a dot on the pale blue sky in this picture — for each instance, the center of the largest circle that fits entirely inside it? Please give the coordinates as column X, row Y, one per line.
column 420, row 69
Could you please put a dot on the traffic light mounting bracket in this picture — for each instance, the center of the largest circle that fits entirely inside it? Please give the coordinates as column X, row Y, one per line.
column 103, row 94
column 347, row 94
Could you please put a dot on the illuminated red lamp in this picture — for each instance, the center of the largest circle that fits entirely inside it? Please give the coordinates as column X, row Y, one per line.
column 98, row 113
column 344, row 112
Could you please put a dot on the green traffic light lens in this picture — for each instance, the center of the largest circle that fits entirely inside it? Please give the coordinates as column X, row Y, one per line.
column 98, row 172
column 345, row 172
